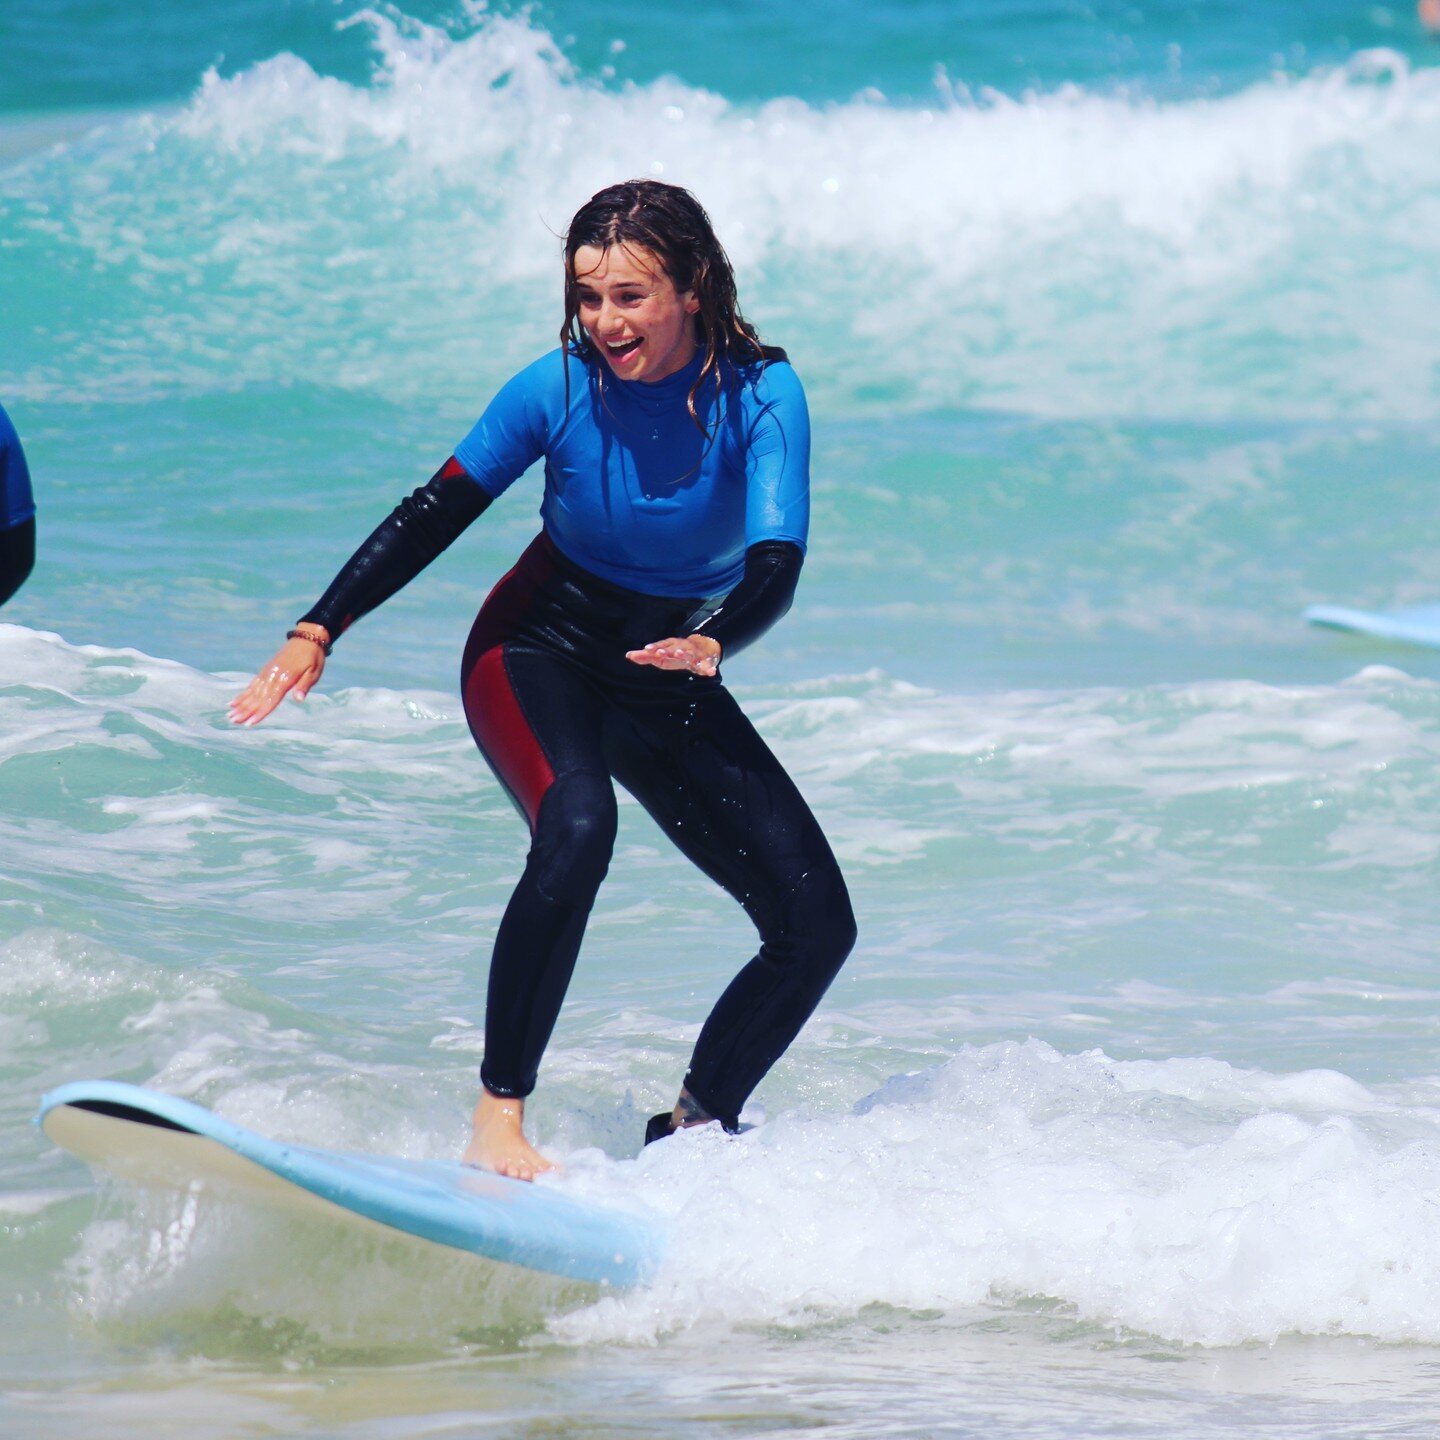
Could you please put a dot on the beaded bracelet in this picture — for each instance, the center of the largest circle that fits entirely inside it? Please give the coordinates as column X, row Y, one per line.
column 325, row 645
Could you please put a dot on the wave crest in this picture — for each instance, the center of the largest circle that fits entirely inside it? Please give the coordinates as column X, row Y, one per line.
column 1066, row 252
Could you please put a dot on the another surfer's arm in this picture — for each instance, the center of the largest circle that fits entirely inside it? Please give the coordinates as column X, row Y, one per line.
column 17, row 512
column 17, row 557
column 777, row 522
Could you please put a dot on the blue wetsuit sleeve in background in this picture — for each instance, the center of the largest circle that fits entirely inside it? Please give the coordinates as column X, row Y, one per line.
column 17, row 512
column 17, row 500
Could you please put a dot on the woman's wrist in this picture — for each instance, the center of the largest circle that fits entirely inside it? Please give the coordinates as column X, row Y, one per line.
column 315, row 634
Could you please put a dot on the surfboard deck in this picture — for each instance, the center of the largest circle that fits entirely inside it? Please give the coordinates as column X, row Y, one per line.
column 1417, row 625
column 142, row 1135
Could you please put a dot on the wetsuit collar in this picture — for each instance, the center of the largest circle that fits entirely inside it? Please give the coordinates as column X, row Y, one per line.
column 672, row 386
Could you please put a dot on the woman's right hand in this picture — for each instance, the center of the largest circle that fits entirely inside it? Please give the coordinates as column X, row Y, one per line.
column 296, row 668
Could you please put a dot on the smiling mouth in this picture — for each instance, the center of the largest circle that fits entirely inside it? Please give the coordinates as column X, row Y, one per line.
column 619, row 349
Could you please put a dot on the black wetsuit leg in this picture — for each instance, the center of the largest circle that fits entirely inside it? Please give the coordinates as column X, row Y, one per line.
column 716, row 789
column 557, row 710
column 537, row 723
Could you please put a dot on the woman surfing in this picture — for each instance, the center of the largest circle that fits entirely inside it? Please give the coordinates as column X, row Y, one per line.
column 675, row 516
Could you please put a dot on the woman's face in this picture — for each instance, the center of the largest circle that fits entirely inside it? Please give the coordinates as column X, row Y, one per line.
column 632, row 312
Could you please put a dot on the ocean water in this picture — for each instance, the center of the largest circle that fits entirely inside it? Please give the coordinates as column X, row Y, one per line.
column 1119, row 327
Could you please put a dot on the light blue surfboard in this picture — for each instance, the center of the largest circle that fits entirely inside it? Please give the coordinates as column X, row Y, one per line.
column 1419, row 625
column 152, row 1138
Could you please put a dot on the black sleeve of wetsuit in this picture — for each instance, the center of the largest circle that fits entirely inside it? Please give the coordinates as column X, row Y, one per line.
column 419, row 528
column 772, row 570
column 17, row 557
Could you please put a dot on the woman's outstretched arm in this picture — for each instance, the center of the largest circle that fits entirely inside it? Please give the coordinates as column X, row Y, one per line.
column 421, row 527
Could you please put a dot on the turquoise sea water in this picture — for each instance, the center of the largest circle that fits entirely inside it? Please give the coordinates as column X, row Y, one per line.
column 1119, row 327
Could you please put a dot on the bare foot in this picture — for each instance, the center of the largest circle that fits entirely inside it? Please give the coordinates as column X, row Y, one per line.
column 498, row 1141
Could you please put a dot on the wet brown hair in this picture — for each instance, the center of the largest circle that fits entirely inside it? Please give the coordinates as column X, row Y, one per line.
column 672, row 225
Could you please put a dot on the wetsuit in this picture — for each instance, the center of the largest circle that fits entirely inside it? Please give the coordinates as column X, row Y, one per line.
column 17, row 512
column 653, row 527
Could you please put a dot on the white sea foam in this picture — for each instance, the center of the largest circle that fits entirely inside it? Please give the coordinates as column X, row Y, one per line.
column 866, row 171
column 1344, row 771
column 1182, row 1198
column 150, row 750
column 1167, row 743
column 44, row 968
column 1348, row 768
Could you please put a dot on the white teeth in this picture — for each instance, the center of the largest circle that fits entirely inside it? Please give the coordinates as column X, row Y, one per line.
column 620, row 344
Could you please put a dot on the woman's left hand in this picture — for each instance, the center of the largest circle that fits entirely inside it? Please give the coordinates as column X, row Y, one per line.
column 697, row 653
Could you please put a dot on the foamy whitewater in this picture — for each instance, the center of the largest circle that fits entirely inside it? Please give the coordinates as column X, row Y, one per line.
column 1118, row 329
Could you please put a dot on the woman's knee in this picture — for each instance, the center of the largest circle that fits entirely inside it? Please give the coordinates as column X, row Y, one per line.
column 574, row 837
column 817, row 928
column 837, row 930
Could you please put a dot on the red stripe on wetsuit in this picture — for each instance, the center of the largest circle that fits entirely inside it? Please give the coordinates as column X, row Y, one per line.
column 501, row 730
column 492, row 707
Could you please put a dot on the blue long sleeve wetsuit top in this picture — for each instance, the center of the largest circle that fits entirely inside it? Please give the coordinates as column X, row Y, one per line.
column 634, row 492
